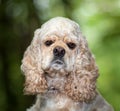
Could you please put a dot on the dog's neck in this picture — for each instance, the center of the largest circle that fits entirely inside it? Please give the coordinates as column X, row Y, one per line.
column 56, row 83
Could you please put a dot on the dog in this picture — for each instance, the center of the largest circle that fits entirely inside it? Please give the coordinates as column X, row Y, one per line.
column 60, row 69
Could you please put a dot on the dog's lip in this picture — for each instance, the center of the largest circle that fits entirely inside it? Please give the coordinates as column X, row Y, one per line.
column 60, row 62
column 57, row 64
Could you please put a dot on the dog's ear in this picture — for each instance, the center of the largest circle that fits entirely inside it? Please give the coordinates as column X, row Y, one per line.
column 35, row 81
column 81, row 83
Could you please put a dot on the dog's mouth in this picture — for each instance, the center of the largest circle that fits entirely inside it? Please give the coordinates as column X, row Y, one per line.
column 56, row 68
column 57, row 64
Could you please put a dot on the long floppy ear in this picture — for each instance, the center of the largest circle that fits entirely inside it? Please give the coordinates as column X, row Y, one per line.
column 35, row 81
column 81, row 83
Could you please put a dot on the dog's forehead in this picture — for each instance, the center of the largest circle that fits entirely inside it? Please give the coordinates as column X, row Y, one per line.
column 60, row 22
column 61, row 27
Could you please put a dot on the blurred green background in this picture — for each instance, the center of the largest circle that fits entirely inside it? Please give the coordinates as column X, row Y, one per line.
column 99, row 21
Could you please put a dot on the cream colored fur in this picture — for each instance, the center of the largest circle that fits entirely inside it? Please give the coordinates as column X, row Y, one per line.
column 67, row 83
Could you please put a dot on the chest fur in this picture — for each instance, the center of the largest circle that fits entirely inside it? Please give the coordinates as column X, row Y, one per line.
column 60, row 102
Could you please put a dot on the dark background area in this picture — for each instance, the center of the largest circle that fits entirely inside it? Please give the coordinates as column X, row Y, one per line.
column 99, row 21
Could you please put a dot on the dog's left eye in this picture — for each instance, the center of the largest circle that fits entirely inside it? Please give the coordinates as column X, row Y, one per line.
column 71, row 45
column 48, row 42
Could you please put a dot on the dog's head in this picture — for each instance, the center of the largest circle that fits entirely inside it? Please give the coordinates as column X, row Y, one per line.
column 58, row 49
column 59, row 45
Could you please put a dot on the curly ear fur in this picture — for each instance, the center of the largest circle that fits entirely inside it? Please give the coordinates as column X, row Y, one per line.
column 81, row 83
column 31, row 66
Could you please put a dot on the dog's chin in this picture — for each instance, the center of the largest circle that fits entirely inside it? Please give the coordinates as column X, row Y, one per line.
column 56, row 68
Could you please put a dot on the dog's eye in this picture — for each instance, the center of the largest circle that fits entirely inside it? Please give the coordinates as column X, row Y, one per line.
column 48, row 42
column 71, row 45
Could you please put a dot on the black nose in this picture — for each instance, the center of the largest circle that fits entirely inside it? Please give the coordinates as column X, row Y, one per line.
column 59, row 51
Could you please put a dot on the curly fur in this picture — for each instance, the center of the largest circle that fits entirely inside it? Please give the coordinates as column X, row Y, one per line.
column 81, row 83
column 35, row 81
column 70, row 88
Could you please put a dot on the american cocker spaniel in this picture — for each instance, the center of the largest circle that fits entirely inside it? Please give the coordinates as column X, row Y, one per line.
column 60, row 69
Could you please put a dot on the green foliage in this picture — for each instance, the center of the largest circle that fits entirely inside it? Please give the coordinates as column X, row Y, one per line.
column 99, row 22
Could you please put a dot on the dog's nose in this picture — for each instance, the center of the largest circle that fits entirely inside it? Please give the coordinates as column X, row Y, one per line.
column 59, row 51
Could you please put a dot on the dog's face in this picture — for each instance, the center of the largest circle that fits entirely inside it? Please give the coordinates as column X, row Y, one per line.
column 59, row 44
column 58, row 53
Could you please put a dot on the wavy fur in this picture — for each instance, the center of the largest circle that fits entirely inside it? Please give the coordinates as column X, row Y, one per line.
column 66, row 86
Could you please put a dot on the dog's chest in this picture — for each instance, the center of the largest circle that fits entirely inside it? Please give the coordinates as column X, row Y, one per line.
column 59, row 103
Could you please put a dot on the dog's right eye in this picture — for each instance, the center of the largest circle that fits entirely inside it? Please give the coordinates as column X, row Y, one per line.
column 48, row 42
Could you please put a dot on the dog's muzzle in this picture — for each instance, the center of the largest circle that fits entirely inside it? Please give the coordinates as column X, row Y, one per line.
column 58, row 61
